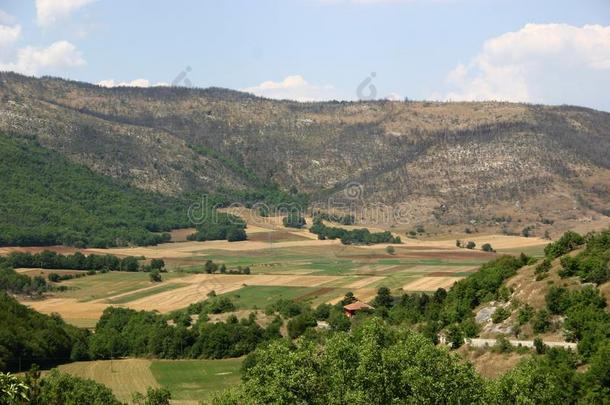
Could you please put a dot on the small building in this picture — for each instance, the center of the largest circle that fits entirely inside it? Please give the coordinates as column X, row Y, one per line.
column 351, row 309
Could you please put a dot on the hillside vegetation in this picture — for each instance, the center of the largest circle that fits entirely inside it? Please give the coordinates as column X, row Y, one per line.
column 495, row 163
column 47, row 200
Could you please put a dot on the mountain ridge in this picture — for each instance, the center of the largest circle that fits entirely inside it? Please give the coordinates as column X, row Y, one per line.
column 447, row 163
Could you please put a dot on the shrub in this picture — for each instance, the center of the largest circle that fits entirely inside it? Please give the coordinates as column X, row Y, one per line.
column 499, row 315
column 294, row 220
column 487, row 248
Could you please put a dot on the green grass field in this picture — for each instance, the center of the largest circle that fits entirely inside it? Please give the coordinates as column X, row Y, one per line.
column 108, row 284
column 196, row 380
column 251, row 297
column 190, row 381
column 148, row 292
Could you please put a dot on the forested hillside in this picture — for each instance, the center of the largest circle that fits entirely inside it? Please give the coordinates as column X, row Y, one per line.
column 47, row 200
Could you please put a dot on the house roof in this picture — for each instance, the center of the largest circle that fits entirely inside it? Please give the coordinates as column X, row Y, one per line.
column 355, row 306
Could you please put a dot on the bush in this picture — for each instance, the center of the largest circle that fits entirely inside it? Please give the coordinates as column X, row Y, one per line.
column 487, row 248
column 568, row 242
column 300, row 323
column 294, row 220
column 499, row 315
column 59, row 388
column 541, row 322
column 471, row 245
column 155, row 276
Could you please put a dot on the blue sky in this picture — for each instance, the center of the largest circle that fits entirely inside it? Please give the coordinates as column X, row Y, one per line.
column 537, row 51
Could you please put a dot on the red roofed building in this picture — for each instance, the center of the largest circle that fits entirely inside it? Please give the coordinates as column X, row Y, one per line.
column 351, row 309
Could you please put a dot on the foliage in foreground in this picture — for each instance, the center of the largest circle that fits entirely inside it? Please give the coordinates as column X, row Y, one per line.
column 373, row 365
column 28, row 337
column 378, row 364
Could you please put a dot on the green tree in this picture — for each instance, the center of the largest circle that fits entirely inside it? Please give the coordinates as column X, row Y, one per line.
column 157, row 264
column 294, row 220
column 383, row 298
column 155, row 276
column 154, row 396
column 373, row 365
column 65, row 389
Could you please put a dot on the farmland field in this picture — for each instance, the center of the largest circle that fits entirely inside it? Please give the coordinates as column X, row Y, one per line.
column 284, row 263
column 189, row 381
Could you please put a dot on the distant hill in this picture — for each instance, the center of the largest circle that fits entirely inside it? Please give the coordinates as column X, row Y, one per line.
column 448, row 163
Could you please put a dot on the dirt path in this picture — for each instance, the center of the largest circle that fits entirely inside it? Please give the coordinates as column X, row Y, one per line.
column 478, row 342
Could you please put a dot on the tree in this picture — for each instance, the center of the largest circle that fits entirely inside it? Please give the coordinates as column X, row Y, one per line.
column 294, row 220
column 348, row 298
column 338, row 321
column 471, row 245
column 541, row 322
column 455, row 336
column 390, row 250
column 155, row 276
column 154, row 396
column 383, row 298
column 373, row 365
column 129, row 263
column 298, row 324
column 500, row 314
column 59, row 389
column 157, row 264
column 487, row 248
column 236, row 234
column 539, row 345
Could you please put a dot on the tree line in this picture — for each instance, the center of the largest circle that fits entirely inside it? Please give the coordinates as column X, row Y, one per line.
column 220, row 226
column 352, row 237
column 77, row 261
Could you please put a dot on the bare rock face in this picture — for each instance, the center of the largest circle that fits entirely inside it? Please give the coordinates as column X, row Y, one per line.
column 449, row 163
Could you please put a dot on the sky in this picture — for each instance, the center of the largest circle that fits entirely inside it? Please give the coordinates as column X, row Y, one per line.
column 537, row 51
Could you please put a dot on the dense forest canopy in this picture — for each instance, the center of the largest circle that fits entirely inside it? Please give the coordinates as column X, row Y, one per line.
column 47, row 200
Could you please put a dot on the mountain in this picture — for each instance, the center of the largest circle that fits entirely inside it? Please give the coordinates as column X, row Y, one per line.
column 443, row 162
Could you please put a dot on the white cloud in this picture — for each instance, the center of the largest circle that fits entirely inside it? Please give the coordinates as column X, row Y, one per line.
column 133, row 83
column 50, row 12
column 548, row 63
column 9, row 32
column 9, row 35
column 293, row 88
column 31, row 60
column 6, row 18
